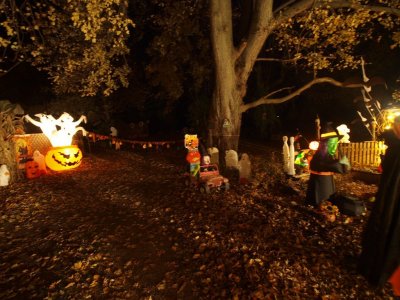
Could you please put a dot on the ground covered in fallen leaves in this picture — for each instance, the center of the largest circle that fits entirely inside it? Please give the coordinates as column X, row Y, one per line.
column 124, row 226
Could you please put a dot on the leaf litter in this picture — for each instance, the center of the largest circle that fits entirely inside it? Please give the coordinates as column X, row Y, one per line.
column 124, row 226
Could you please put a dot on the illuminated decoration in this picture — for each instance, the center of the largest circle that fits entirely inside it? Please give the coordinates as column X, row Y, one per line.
column 313, row 145
column 32, row 169
column 344, row 131
column 61, row 131
column 191, row 141
column 63, row 158
column 39, row 158
column 4, row 175
column 389, row 114
column 94, row 137
column 114, row 131
column 193, row 157
column 63, row 155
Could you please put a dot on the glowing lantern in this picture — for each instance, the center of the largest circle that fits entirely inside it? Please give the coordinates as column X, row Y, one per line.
column 63, row 158
column 313, row 145
column 63, row 155
column 389, row 115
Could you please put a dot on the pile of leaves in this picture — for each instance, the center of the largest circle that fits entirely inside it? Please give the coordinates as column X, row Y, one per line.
column 123, row 225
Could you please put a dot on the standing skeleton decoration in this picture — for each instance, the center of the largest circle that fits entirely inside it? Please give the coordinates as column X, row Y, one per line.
column 374, row 119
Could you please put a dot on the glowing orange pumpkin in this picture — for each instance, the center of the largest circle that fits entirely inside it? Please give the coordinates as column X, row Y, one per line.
column 63, row 158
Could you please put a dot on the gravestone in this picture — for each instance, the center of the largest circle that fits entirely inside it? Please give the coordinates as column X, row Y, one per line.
column 231, row 159
column 214, row 155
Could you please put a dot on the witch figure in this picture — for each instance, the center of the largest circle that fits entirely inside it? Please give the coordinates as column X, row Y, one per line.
column 321, row 185
column 380, row 256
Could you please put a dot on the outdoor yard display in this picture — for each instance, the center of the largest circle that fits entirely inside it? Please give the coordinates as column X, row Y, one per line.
column 63, row 155
column 207, row 179
column 193, row 156
column 321, row 184
column 231, row 159
column 202, row 176
column 4, row 175
column 214, row 155
column 285, row 153
column 380, row 255
column 291, row 170
column 10, row 124
column 244, row 168
column 63, row 158
column 32, row 169
column 39, row 158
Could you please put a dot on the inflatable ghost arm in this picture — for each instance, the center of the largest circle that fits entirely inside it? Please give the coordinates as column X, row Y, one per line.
column 82, row 118
column 84, row 132
column 34, row 122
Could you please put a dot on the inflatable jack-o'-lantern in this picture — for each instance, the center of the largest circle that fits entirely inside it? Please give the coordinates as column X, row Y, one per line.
column 63, row 158
column 32, row 169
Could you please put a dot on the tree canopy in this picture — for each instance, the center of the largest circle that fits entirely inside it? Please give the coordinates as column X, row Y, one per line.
column 81, row 44
column 330, row 34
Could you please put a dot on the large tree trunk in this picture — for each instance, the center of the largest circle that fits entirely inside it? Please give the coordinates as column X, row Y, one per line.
column 225, row 115
column 232, row 69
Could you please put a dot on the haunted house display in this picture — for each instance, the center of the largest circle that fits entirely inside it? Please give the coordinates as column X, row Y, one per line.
column 380, row 255
column 323, row 165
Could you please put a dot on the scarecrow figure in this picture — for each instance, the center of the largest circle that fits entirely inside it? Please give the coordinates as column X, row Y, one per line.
column 380, row 257
column 323, row 165
column 193, row 156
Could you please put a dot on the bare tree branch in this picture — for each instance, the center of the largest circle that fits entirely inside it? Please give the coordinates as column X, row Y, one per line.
column 278, row 91
column 278, row 59
column 238, row 51
column 9, row 69
column 267, row 100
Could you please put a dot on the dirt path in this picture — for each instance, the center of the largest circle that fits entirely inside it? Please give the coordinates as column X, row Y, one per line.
column 123, row 226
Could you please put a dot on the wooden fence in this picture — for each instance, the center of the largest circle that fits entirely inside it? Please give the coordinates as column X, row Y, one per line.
column 364, row 154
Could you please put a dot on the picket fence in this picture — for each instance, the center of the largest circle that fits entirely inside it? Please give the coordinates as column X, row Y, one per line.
column 364, row 154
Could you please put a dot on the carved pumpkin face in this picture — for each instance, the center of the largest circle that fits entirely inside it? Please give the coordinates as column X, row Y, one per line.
column 32, row 169
column 63, row 158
